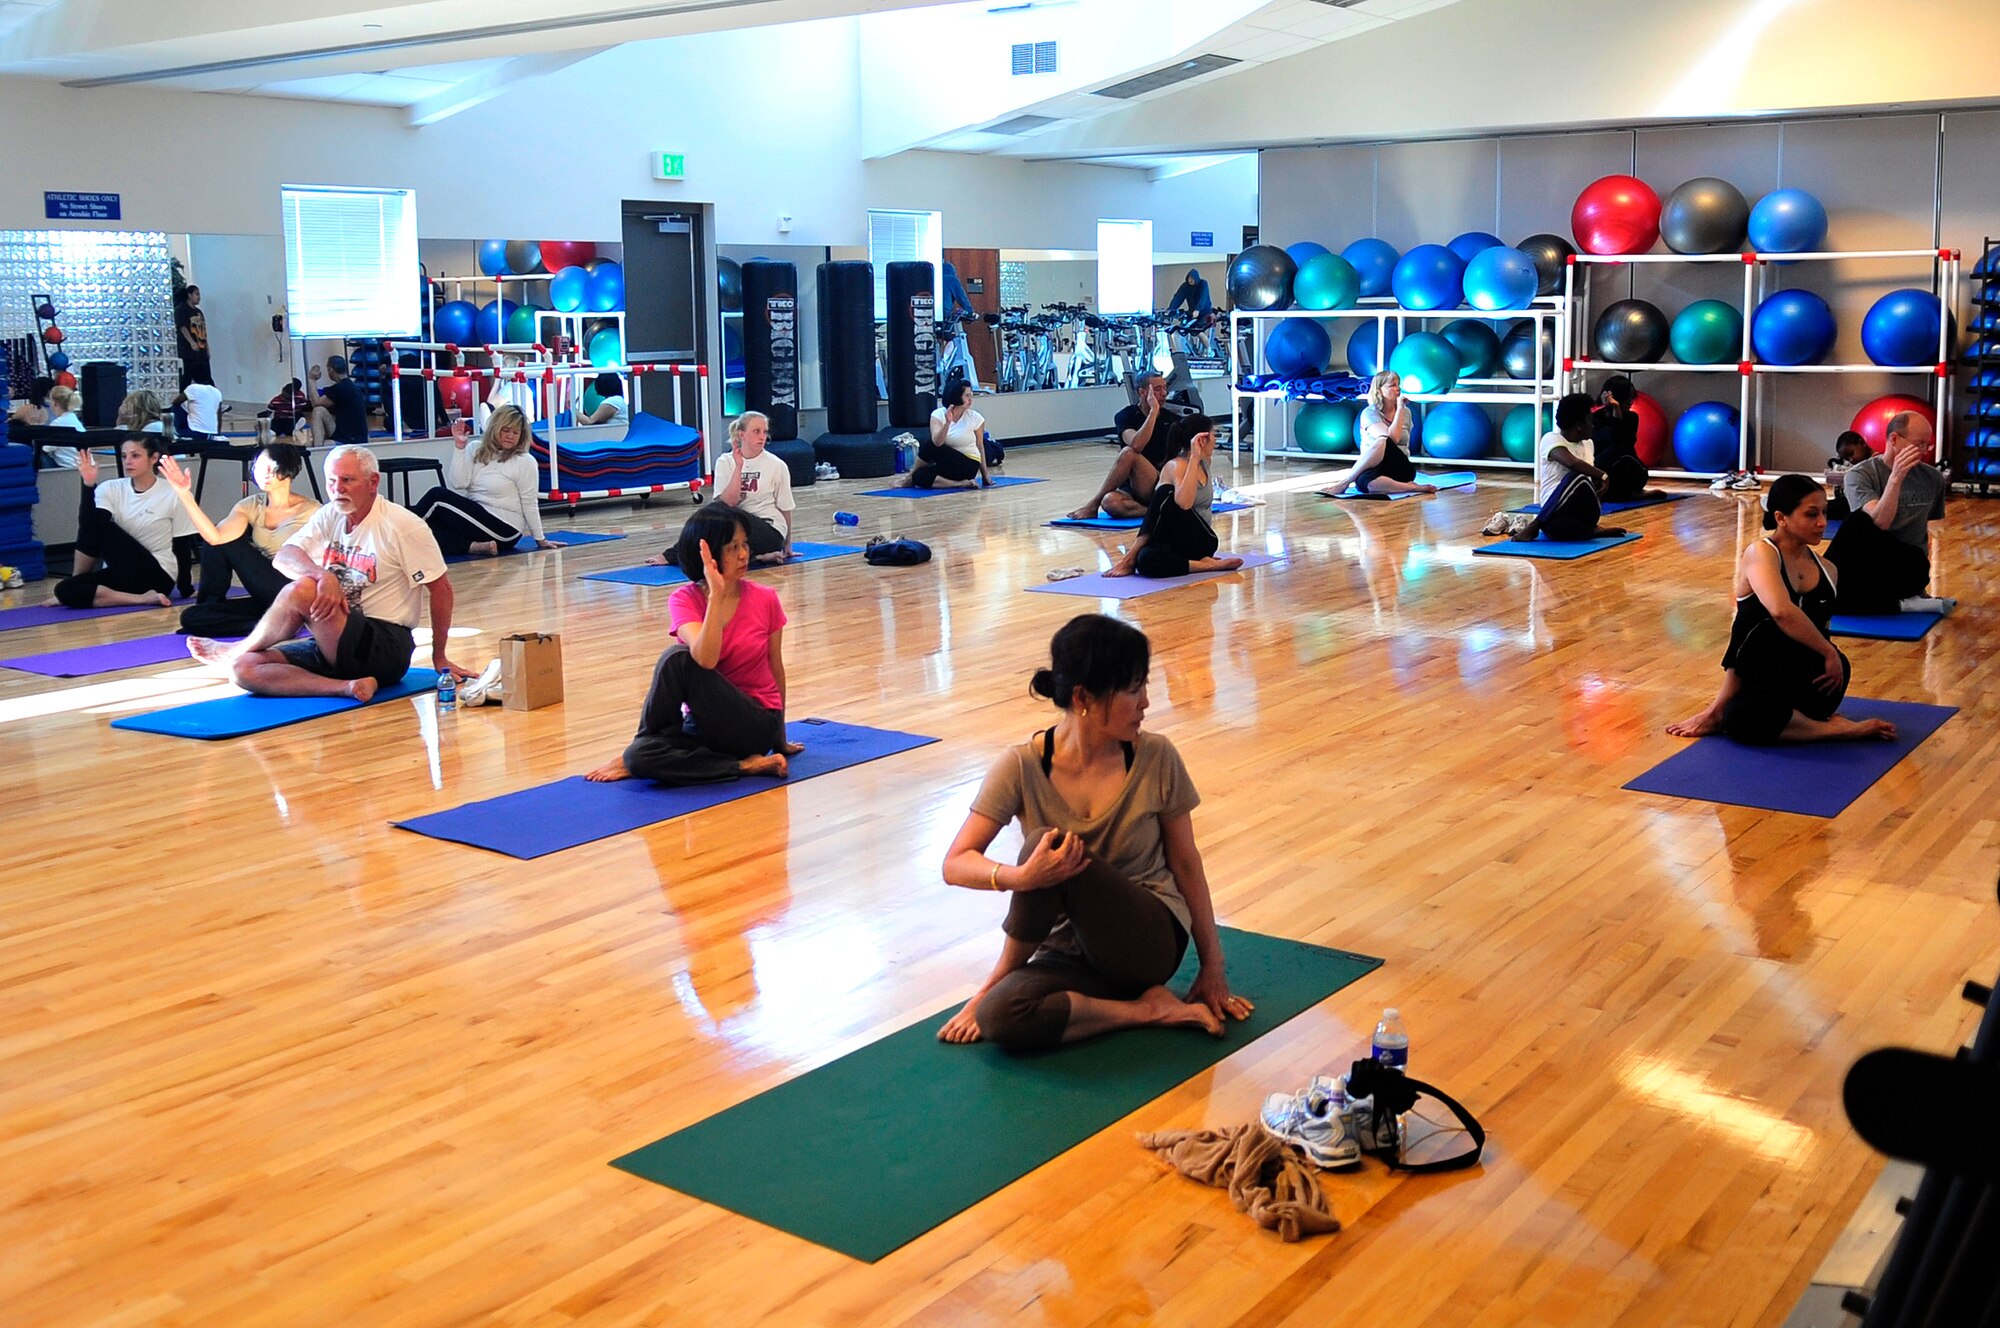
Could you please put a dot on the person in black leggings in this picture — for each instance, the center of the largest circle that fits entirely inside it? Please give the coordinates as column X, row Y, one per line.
column 1178, row 535
column 242, row 545
column 1570, row 482
column 1110, row 888
column 1782, row 679
column 1614, row 435
column 134, row 544
column 1382, row 435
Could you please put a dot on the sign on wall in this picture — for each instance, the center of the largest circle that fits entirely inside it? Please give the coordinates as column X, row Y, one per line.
column 1201, row 239
column 82, row 207
column 669, row 166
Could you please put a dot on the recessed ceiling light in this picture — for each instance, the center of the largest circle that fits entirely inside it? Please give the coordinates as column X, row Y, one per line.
column 371, row 27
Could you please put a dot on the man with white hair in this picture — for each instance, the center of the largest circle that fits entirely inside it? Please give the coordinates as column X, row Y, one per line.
column 1882, row 552
column 360, row 570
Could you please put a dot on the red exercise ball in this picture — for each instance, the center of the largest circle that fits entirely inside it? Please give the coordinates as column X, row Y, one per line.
column 1872, row 420
column 52, row 335
column 559, row 254
column 66, row 378
column 459, row 394
column 1619, row 214
column 1655, row 446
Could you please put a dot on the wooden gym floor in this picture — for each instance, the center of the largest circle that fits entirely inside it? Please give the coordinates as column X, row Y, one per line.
column 264, row 1060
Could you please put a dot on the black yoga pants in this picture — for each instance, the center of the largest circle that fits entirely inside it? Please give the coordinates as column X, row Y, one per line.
column 1394, row 465
column 1875, row 571
column 1572, row 511
column 128, row 565
column 213, row 613
column 727, row 726
column 459, row 523
column 1776, row 675
column 935, row 462
column 1174, row 537
column 764, row 537
column 1628, row 479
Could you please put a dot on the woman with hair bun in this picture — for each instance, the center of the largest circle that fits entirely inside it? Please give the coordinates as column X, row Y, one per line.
column 1110, row 890
column 1782, row 679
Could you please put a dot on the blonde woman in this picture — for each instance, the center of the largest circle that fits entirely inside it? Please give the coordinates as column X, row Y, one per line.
column 1384, row 466
column 65, row 412
column 142, row 412
column 490, row 498
column 759, row 485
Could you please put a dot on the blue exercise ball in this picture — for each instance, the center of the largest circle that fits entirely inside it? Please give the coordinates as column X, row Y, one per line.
column 1792, row 327
column 452, row 324
column 1499, row 277
column 493, row 257
column 1305, row 249
column 1361, row 360
column 1707, row 438
column 1902, row 328
column 1376, row 261
column 1473, row 243
column 1787, row 221
column 492, row 324
column 1298, row 348
column 1477, row 344
column 605, row 291
column 567, row 289
column 1430, row 276
column 58, row 360
column 1457, row 431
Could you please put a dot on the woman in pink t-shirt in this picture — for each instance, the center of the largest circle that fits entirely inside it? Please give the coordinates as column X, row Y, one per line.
column 716, row 709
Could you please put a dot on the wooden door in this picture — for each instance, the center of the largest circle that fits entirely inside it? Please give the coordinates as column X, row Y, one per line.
column 979, row 270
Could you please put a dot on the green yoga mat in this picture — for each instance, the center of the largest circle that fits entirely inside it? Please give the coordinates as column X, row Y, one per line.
column 871, row 1151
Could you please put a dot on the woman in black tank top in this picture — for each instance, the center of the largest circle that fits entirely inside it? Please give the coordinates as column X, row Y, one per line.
column 1782, row 679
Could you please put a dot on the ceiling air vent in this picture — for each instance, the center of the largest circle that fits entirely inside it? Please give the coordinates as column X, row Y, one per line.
column 1168, row 77
column 1033, row 58
column 1022, row 124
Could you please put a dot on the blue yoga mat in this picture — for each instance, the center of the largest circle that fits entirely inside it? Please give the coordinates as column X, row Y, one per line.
column 1560, row 550
column 1610, row 508
column 538, row 821
column 573, row 537
column 235, row 716
column 1456, row 479
column 804, row 551
column 1885, row 626
column 999, row 482
column 1809, row 778
column 1131, row 522
column 1100, row 586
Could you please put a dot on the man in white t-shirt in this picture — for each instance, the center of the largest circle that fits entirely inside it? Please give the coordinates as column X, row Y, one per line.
column 759, row 485
column 1569, row 485
column 361, row 569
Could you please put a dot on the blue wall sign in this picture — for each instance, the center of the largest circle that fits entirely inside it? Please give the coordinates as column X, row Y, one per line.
column 1201, row 239
column 81, row 207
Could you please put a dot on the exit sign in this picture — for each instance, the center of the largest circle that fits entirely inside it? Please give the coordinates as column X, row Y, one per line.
column 669, row 166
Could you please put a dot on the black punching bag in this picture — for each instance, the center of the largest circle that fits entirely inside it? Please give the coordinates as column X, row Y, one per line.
column 771, row 344
column 912, row 344
column 847, row 345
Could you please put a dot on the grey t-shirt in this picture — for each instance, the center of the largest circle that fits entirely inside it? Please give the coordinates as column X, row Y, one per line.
column 1127, row 836
column 1921, row 501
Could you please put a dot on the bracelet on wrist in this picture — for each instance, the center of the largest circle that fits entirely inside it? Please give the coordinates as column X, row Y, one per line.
column 993, row 881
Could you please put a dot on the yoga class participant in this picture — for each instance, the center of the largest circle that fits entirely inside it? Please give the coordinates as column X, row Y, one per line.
column 757, row 484
column 611, row 408
column 1142, row 430
column 1178, row 535
column 954, row 456
column 363, row 566
column 65, row 412
column 1569, row 480
column 492, row 495
column 1383, row 466
column 1614, row 439
column 243, row 543
column 1110, row 886
column 134, row 543
column 1883, row 549
column 1782, row 679
column 1849, row 451
column 726, row 667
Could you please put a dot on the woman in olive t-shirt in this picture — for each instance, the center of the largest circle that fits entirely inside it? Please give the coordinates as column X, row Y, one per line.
column 1104, row 904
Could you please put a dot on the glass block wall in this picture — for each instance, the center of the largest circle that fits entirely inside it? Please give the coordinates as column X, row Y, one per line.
column 113, row 293
column 1013, row 283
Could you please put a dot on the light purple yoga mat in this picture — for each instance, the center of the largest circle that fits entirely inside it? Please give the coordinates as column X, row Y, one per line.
column 44, row 615
column 86, row 660
column 1100, row 586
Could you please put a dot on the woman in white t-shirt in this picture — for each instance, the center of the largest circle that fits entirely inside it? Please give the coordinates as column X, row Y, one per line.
column 1384, row 466
column 201, row 408
column 134, row 541
column 610, row 388
column 757, row 484
column 65, row 412
column 1567, row 489
column 955, row 456
column 242, row 545
column 490, row 498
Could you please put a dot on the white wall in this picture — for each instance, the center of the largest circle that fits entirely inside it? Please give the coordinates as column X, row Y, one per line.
column 242, row 280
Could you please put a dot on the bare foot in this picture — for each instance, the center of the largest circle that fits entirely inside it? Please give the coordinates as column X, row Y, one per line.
column 1526, row 535
column 165, row 601
column 962, row 1027
column 610, row 772
column 1331, row 493
column 1427, row 490
column 657, row 560
column 792, row 748
column 50, row 603
column 769, row 559
column 362, row 689
column 1871, row 728
column 484, row 549
column 1700, row 726
column 208, row 651
column 1167, row 1008
column 773, row 765
column 1215, row 565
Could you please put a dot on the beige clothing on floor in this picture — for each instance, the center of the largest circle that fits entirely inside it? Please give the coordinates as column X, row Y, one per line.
column 1265, row 1178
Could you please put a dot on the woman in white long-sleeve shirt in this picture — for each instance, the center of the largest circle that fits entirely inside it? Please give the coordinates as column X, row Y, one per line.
column 491, row 497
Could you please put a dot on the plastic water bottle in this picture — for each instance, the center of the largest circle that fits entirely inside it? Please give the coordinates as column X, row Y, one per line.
column 846, row 519
column 1392, row 1041
column 447, row 690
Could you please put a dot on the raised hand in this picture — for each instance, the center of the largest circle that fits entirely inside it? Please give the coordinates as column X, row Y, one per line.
column 86, row 467
column 461, row 433
column 712, row 574
column 171, row 472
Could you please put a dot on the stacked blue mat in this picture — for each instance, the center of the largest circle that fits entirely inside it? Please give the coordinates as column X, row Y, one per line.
column 18, row 546
column 653, row 451
column 1307, row 387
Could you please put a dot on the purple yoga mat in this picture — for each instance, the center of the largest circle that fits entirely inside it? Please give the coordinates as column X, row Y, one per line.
column 86, row 660
column 43, row 615
column 1100, row 586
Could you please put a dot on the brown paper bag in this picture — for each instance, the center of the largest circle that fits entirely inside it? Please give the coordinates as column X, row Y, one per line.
column 531, row 670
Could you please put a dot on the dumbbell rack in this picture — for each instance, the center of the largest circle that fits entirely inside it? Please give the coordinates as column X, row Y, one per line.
column 1979, row 450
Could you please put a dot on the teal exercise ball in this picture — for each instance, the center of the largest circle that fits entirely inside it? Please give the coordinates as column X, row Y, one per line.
column 1707, row 332
column 1326, row 281
column 1519, row 433
column 1477, row 344
column 1426, row 363
column 607, row 350
column 1457, row 431
column 592, row 399
column 521, row 324
column 1326, row 427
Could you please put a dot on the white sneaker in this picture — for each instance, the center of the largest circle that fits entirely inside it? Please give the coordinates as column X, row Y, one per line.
column 477, row 691
column 1745, row 480
column 1316, row 1121
column 1928, row 604
column 1724, row 483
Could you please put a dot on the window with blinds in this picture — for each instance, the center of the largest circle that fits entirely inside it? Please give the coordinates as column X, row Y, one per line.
column 905, row 237
column 351, row 261
column 1124, row 267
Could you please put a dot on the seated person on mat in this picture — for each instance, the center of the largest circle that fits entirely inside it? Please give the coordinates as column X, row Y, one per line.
column 1614, row 437
column 758, row 485
column 1782, row 679
column 1142, row 429
column 291, row 407
column 1178, row 535
column 65, row 407
column 1109, row 887
column 954, row 457
column 341, row 414
column 726, row 667
column 362, row 567
column 492, row 494
column 1569, row 481
column 243, row 543
column 1383, row 466
column 611, row 408
column 1883, row 549
column 1849, row 451
column 32, row 411
column 198, row 410
column 142, row 412
column 134, row 544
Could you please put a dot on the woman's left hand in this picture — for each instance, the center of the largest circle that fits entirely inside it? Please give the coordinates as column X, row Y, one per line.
column 1211, row 988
